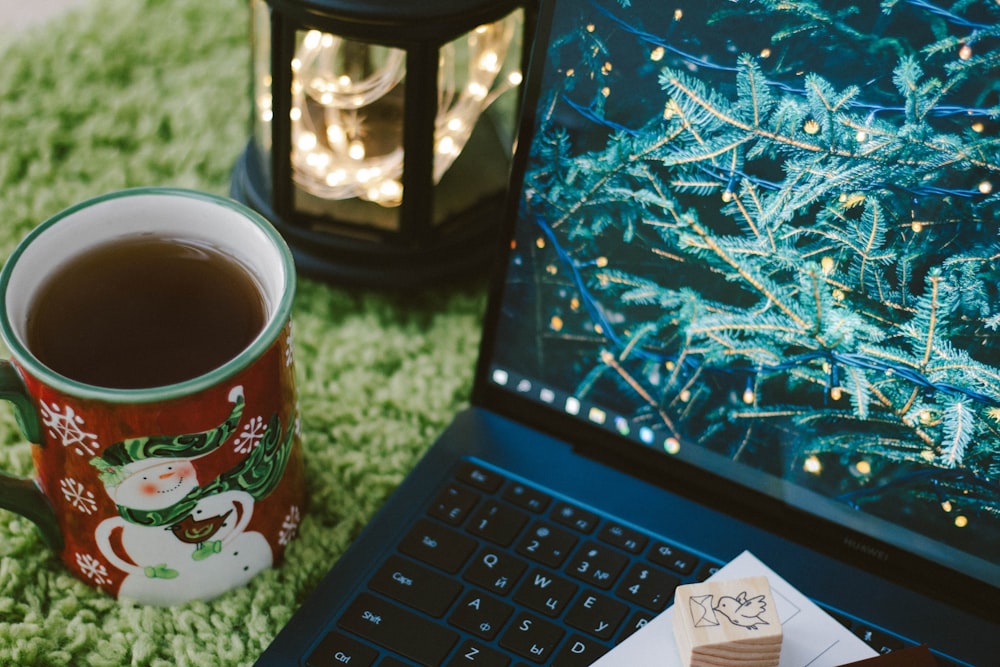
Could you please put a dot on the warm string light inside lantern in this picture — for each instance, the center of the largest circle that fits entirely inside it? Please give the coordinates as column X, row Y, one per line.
column 347, row 108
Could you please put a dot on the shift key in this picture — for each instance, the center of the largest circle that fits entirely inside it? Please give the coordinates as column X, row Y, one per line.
column 399, row 630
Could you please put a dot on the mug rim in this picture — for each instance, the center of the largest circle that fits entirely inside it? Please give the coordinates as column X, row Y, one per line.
column 275, row 324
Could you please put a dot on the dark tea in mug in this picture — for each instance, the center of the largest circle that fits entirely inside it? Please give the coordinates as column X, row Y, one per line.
column 144, row 311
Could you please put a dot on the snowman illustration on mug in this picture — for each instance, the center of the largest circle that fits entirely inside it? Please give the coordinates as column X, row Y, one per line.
column 176, row 533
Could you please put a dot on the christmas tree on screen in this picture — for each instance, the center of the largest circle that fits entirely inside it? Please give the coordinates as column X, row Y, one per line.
column 808, row 229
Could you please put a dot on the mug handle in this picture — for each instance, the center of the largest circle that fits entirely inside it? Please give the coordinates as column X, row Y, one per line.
column 22, row 496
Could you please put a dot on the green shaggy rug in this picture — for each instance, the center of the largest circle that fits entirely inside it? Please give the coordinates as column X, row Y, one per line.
column 155, row 92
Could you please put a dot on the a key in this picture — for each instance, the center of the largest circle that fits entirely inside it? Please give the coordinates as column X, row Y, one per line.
column 648, row 586
column 596, row 614
column 526, row 497
column 546, row 544
column 474, row 654
column 578, row 651
column 532, row 637
column 480, row 614
column 399, row 630
column 438, row 545
column 337, row 649
column 416, row 586
column 597, row 564
column 544, row 592
column 495, row 570
column 623, row 537
column 453, row 504
column 497, row 522
column 673, row 558
column 574, row 517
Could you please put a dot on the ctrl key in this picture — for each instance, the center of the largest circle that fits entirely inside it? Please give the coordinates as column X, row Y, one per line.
column 398, row 629
column 336, row 650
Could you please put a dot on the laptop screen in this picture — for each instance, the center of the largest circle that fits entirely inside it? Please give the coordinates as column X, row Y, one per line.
column 762, row 238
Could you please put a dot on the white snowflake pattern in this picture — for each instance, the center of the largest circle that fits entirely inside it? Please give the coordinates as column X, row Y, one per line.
column 78, row 496
column 289, row 347
column 65, row 425
column 289, row 526
column 93, row 569
column 251, row 434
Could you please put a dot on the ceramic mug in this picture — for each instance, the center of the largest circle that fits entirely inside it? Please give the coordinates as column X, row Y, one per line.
column 168, row 493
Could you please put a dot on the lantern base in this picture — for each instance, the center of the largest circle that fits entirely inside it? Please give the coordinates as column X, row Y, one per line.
column 355, row 260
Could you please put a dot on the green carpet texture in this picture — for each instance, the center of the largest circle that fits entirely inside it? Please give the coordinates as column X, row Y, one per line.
column 128, row 93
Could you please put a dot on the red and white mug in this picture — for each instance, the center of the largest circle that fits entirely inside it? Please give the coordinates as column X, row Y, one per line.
column 169, row 493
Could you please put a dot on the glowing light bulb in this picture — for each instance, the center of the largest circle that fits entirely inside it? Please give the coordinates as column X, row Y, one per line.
column 307, row 141
column 490, row 62
column 446, row 145
column 813, row 465
column 863, row 467
column 748, row 396
column 947, row 506
column 556, row 323
column 985, row 187
column 961, row 521
column 657, row 54
column 671, row 446
column 965, row 53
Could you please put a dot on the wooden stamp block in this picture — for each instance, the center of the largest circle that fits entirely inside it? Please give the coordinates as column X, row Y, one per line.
column 724, row 623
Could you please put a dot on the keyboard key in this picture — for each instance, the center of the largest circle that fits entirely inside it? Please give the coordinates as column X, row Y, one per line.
column 707, row 569
column 474, row 653
column 579, row 651
column 637, row 621
column 596, row 614
column 526, row 497
column 495, row 570
column 453, row 504
column 544, row 592
column 404, row 632
column 574, row 517
column 532, row 638
column 546, row 544
column 337, row 650
column 479, row 476
column 673, row 558
column 648, row 586
column 416, row 586
column 481, row 614
column 497, row 523
column 597, row 564
column 438, row 545
column 623, row 537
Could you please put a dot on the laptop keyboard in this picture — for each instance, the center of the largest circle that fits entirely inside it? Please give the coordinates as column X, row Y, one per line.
column 498, row 573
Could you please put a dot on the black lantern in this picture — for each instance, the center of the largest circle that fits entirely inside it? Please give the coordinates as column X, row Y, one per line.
column 383, row 132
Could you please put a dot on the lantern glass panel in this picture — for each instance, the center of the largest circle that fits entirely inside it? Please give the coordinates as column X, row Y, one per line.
column 260, row 44
column 347, row 121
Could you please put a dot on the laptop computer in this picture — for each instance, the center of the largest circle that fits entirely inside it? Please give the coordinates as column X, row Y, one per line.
column 748, row 301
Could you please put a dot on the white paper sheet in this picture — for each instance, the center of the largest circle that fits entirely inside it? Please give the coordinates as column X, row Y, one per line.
column 810, row 636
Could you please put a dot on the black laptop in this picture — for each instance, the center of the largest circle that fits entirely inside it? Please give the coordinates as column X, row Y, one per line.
column 749, row 300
